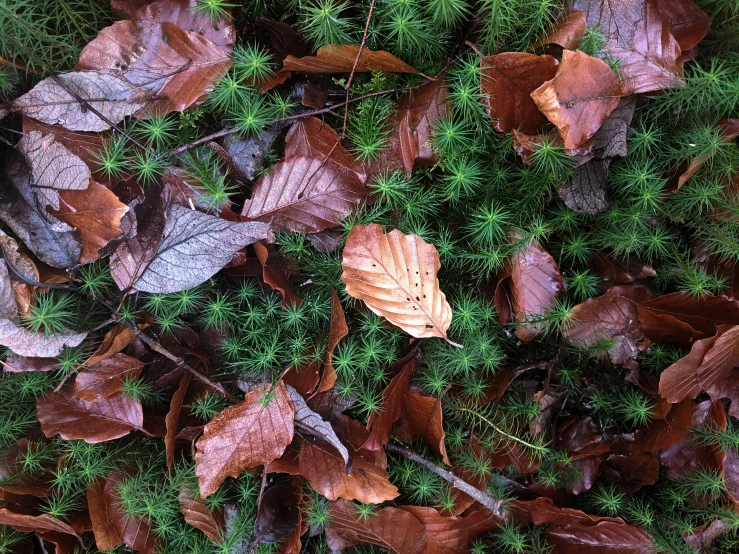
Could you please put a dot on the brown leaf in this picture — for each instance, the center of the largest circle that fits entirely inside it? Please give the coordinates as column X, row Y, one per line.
column 173, row 418
column 508, row 79
column 422, row 419
column 134, row 532
column 567, row 30
column 106, row 533
column 114, row 341
column 304, row 379
column 535, row 287
column 620, row 271
column 580, row 97
column 167, row 48
column 525, row 146
column 395, row 275
column 97, row 421
column 198, row 515
column 308, row 190
column 703, row 313
column 701, row 538
column 95, row 213
column 720, row 360
column 106, row 378
column 243, row 436
column 610, row 140
column 340, row 59
column 586, row 193
column 632, row 471
column 680, row 381
column 661, row 433
column 367, row 481
column 688, row 23
column 337, row 331
column 731, row 473
column 612, row 316
column 602, row 538
column 55, row 100
column 729, row 130
column 29, row 523
column 276, row 278
column 381, row 423
column 649, row 61
column 278, row 514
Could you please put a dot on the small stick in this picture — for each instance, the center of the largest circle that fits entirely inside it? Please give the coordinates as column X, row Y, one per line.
column 354, row 67
column 495, row 506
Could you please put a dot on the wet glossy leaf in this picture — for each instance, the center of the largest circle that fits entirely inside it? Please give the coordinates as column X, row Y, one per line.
column 340, row 59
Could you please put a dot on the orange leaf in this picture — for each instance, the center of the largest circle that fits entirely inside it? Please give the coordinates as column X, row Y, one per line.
column 198, row 515
column 28, row 523
column 340, row 59
column 422, row 419
column 243, row 436
column 173, row 418
column 106, row 378
column 579, row 98
column 106, row 534
column 135, row 532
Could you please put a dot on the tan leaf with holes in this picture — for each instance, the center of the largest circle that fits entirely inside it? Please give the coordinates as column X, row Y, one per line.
column 395, row 276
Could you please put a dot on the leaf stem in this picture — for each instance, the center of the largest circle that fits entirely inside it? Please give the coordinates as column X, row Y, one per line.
column 534, row 447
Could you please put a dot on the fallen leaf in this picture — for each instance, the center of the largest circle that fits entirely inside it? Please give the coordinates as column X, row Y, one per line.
column 567, row 30
column 20, row 340
column 106, row 378
column 308, row 190
column 197, row 514
column 56, row 100
column 243, row 436
column 171, row 421
column 535, row 286
column 729, row 130
column 337, row 331
column 367, row 479
column 649, row 61
column 611, row 138
column 278, row 514
column 341, row 58
column 688, row 23
column 621, row 271
column 731, row 474
column 422, row 419
column 525, row 146
column 374, row 264
column 507, row 80
column 381, row 423
column 276, row 278
column 309, row 422
column 168, row 48
column 193, row 247
column 701, row 312
column 680, row 380
column 701, row 538
column 720, row 359
column 580, row 97
column 661, row 433
column 134, row 532
column 105, row 532
column 603, row 537
column 612, row 316
column 617, row 19
column 30, row 523
column 95, row 213
column 114, row 341
column 91, row 421
column 247, row 154
column 586, row 193
column 632, row 471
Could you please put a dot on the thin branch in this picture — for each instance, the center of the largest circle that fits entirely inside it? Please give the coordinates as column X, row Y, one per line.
column 354, row 67
column 492, row 504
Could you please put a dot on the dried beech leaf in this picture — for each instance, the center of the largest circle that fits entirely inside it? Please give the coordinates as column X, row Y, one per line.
column 172, row 419
column 688, row 23
column 309, row 422
column 194, row 246
column 381, row 423
column 580, row 97
column 340, row 59
column 567, row 30
column 612, row 316
column 114, row 341
column 54, row 243
column 720, row 360
column 246, row 435
column 55, row 100
column 661, row 433
column 95, row 213
column 275, row 278
column 198, row 515
column 610, row 140
column 134, row 532
column 91, row 421
column 535, row 286
column 54, row 168
column 278, row 514
column 20, row 340
column 367, row 481
column 680, row 380
column 395, row 276
column 422, row 419
column 106, row 534
column 337, row 331
column 29, row 523
column 617, row 19
column 605, row 537
column 586, row 193
column 308, row 191
column 106, row 378
column 649, row 61
column 508, row 79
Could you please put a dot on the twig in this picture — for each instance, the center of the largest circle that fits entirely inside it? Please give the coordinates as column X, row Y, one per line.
column 495, row 506
column 16, row 65
column 354, row 67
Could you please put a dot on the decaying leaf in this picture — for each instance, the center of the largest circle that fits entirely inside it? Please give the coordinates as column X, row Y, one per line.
column 134, row 532
column 586, row 193
column 197, row 514
column 395, row 276
column 106, row 378
column 313, row 188
column 580, row 97
column 567, row 30
column 173, row 418
column 603, row 537
column 57, row 100
column 95, row 421
column 193, row 247
column 243, row 436
column 508, row 79
column 422, row 420
column 309, row 422
column 30, row 523
column 278, row 513
column 340, row 59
